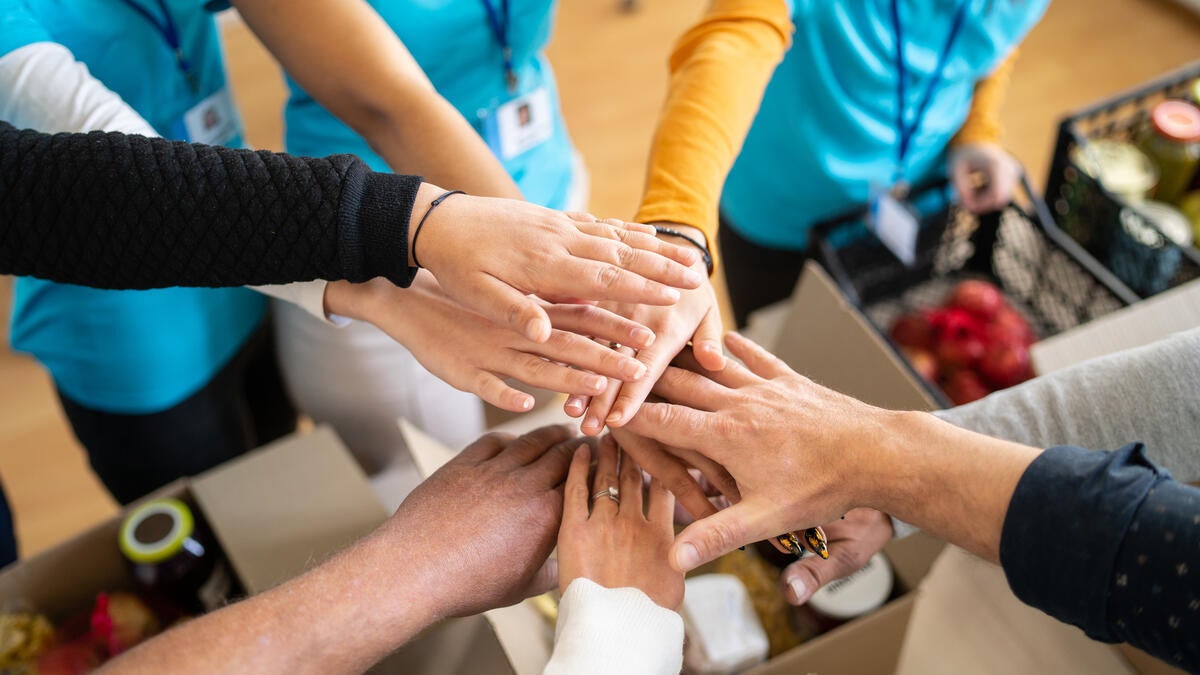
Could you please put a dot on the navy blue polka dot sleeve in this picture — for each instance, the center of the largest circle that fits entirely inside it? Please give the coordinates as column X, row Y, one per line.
column 1109, row 542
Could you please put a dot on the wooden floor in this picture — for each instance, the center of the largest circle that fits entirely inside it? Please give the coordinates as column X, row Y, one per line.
column 612, row 70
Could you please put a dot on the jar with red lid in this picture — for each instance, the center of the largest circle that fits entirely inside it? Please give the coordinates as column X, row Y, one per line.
column 1172, row 141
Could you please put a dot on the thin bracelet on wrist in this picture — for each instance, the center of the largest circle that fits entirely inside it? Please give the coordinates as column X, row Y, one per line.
column 708, row 261
column 432, row 205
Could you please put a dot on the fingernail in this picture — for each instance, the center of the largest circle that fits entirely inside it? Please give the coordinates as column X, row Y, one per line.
column 687, row 557
column 633, row 370
column 672, row 295
column 573, row 408
column 614, row 417
column 526, row 403
column 642, row 336
column 799, row 590
column 595, row 383
column 533, row 329
column 591, row 426
column 693, row 278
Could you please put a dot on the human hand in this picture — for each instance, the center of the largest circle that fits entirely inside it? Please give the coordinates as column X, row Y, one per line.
column 490, row 254
column 696, row 318
column 685, row 473
column 476, row 355
column 617, row 545
column 984, row 175
column 480, row 529
column 801, row 454
column 852, row 542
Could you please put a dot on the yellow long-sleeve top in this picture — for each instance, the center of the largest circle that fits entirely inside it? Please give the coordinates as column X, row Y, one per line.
column 719, row 71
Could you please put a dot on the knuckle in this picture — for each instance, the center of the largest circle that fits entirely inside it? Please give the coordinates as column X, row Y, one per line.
column 607, row 276
column 626, row 255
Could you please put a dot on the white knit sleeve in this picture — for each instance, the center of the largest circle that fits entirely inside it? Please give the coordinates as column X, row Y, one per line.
column 307, row 295
column 43, row 87
column 614, row 630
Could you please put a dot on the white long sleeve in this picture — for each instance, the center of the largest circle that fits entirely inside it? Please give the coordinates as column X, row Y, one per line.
column 307, row 295
column 43, row 87
column 614, row 630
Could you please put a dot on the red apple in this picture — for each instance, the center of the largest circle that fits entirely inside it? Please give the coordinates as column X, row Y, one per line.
column 923, row 362
column 979, row 298
column 912, row 330
column 964, row 386
column 68, row 658
column 1009, row 327
column 1005, row 365
column 958, row 353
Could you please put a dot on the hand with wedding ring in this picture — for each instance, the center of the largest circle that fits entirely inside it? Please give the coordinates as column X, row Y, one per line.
column 607, row 536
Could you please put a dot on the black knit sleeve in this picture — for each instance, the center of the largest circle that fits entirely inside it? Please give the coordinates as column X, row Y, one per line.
column 116, row 211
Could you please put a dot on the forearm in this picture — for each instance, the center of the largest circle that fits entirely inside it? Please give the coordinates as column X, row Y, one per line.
column 389, row 101
column 953, row 483
column 341, row 617
column 983, row 121
column 117, row 211
column 719, row 70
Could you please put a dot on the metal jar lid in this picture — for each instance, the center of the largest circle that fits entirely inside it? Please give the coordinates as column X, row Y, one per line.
column 1120, row 167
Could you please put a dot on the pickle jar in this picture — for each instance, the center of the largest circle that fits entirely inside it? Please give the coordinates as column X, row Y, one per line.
column 1172, row 141
column 172, row 555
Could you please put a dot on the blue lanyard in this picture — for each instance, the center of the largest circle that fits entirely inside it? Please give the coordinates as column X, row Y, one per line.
column 170, row 35
column 500, row 30
column 907, row 130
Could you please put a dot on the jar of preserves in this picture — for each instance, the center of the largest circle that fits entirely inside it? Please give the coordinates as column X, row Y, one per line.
column 1172, row 141
column 172, row 555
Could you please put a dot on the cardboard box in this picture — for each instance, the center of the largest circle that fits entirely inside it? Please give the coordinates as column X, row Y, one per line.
column 275, row 512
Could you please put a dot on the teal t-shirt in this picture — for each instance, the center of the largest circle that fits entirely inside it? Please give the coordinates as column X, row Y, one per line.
column 826, row 131
column 131, row 352
column 455, row 46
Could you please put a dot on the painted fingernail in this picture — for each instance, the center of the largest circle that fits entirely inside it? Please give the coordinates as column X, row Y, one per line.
column 642, row 336
column 633, row 370
column 799, row 590
column 687, row 557
column 595, row 383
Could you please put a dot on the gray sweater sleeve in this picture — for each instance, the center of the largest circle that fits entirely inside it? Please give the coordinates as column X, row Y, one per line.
column 1150, row 395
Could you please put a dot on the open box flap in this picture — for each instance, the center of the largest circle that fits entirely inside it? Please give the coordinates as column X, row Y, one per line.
column 284, row 508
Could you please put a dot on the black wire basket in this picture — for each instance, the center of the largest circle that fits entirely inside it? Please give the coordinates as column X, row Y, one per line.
column 1044, row 274
column 1098, row 219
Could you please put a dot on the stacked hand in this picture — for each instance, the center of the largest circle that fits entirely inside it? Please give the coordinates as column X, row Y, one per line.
column 984, row 176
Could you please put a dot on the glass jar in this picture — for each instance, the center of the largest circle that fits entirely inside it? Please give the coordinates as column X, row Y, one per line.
column 1172, row 141
column 172, row 555
column 846, row 599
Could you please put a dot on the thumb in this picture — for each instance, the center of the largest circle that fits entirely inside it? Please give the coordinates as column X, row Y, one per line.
column 712, row 537
column 803, row 578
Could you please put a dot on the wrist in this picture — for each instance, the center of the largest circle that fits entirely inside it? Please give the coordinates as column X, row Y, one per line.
column 686, row 235
column 356, row 301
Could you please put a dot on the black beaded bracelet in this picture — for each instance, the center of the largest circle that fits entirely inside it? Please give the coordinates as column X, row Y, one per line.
column 432, row 205
column 708, row 261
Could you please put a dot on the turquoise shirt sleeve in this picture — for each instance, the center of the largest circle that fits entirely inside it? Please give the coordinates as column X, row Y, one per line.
column 18, row 27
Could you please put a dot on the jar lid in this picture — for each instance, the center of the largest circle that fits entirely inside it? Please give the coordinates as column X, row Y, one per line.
column 1178, row 121
column 156, row 531
column 864, row 591
column 1120, row 167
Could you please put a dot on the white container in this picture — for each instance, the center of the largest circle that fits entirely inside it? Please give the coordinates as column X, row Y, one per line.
column 723, row 633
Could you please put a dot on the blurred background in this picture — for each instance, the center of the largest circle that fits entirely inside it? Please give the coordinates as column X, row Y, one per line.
column 611, row 67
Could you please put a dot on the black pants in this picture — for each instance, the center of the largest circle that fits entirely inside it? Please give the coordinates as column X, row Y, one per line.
column 242, row 407
column 757, row 276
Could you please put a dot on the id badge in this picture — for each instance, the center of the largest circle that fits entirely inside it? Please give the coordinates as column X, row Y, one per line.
column 520, row 124
column 212, row 121
column 895, row 224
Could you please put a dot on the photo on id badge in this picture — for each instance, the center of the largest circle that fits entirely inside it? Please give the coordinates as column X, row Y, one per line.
column 212, row 121
column 521, row 124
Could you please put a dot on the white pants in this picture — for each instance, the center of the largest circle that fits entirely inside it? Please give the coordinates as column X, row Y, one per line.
column 360, row 381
